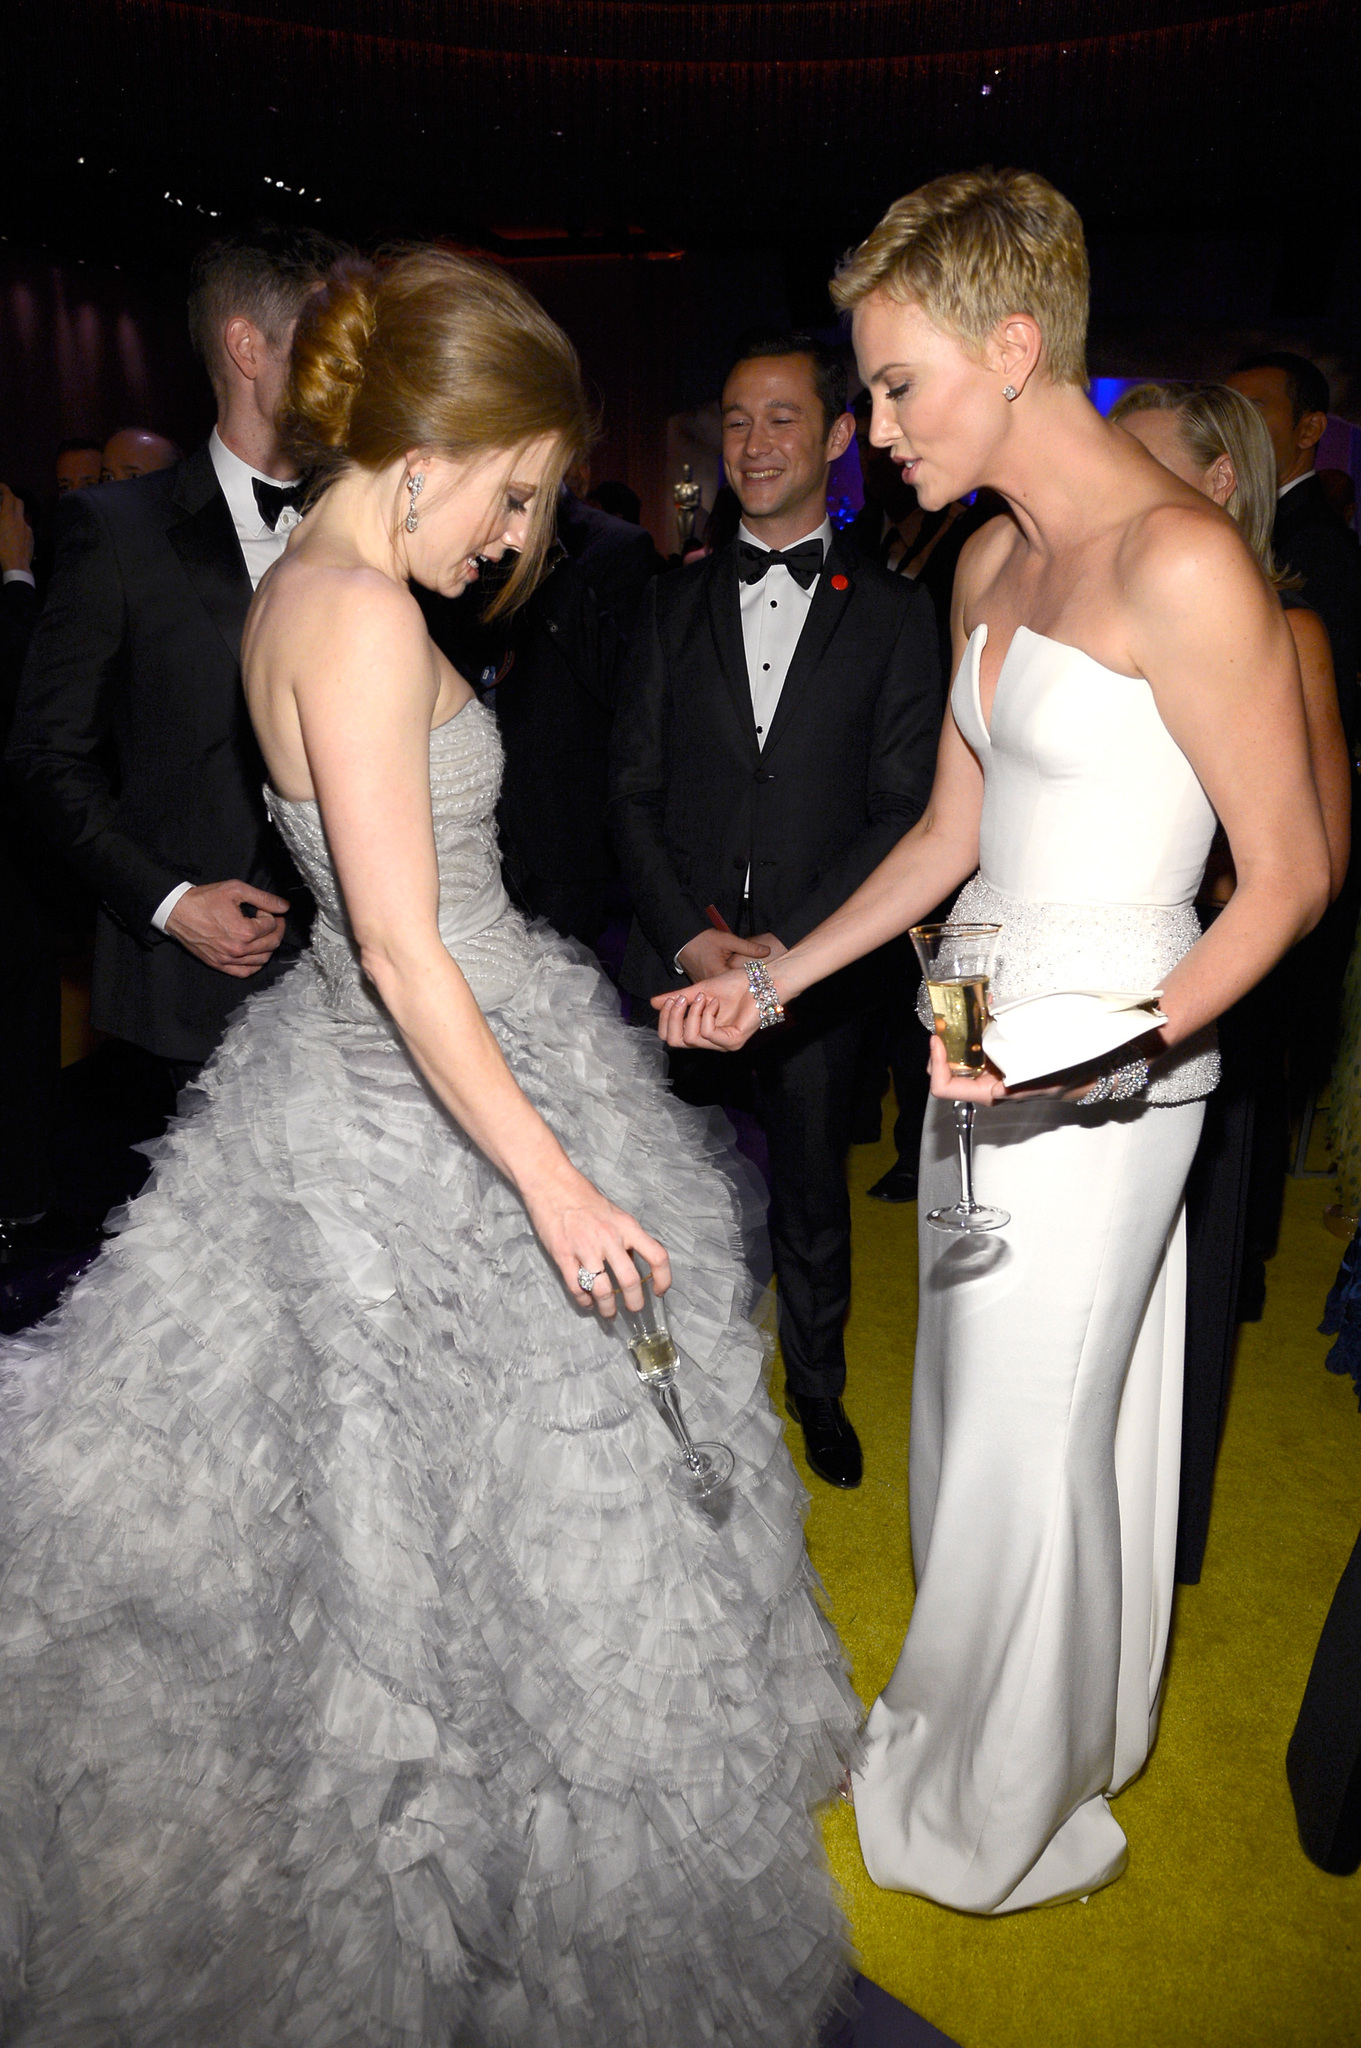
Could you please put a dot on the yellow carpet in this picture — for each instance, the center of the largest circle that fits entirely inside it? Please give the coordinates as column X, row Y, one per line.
column 1221, row 1934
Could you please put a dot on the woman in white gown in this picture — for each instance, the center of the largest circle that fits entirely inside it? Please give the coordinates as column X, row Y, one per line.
column 363, row 1682
column 1124, row 675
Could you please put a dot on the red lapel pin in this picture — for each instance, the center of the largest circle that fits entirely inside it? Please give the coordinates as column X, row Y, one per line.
column 841, row 583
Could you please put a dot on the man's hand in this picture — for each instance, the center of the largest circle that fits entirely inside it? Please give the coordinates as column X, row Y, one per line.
column 710, row 953
column 16, row 535
column 210, row 924
column 773, row 947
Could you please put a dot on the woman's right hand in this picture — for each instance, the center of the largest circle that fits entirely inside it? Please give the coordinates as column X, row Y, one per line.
column 580, row 1228
column 719, row 1014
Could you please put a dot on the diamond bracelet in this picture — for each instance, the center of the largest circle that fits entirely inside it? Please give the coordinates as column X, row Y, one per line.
column 1117, row 1084
column 763, row 995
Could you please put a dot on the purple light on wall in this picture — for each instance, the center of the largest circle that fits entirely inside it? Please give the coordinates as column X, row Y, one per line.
column 89, row 341
column 132, row 358
column 845, row 488
column 25, row 313
column 1106, row 392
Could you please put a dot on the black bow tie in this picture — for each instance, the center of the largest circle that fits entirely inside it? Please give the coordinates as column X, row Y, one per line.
column 803, row 562
column 271, row 498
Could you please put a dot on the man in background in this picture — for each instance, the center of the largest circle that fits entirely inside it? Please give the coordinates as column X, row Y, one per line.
column 136, row 451
column 550, row 673
column 1291, row 393
column 555, row 702
column 30, row 982
column 131, row 742
column 618, row 499
column 80, row 464
column 776, row 735
column 1308, row 538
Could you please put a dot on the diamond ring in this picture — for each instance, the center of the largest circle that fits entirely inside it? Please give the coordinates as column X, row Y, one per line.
column 585, row 1279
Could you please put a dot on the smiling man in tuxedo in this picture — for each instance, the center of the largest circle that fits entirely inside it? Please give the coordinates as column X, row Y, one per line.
column 776, row 734
column 131, row 743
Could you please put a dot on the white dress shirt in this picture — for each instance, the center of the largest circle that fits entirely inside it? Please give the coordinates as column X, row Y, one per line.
column 1302, row 478
column 774, row 612
column 261, row 546
column 773, row 615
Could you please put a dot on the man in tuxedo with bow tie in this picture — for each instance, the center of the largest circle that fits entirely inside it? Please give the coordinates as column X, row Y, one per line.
column 131, row 743
column 778, row 718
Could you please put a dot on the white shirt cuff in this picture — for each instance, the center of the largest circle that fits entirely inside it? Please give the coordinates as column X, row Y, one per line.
column 21, row 576
column 161, row 913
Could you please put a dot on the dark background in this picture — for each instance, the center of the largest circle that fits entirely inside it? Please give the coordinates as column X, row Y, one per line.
column 663, row 174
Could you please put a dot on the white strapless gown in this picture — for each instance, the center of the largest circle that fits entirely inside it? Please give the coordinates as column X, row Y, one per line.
column 1046, row 1405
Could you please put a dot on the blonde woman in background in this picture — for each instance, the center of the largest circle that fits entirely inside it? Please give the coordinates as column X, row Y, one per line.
column 1217, row 442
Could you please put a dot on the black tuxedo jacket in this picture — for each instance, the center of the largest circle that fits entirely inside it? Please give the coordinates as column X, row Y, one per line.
column 1309, row 538
column 555, row 702
column 132, row 746
column 846, row 768
column 18, row 616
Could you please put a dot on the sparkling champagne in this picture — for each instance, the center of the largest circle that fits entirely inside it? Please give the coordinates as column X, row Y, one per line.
column 960, row 1010
column 654, row 1357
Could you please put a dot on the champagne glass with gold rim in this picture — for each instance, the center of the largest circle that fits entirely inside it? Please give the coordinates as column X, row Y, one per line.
column 701, row 1469
column 956, row 963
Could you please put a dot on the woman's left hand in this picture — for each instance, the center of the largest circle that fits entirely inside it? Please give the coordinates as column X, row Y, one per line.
column 985, row 1087
column 990, row 1087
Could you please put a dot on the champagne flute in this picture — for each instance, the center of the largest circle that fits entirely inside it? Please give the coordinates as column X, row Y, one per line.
column 956, row 961
column 703, row 1468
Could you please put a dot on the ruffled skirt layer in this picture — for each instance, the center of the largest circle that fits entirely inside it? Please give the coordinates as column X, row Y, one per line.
column 362, row 1679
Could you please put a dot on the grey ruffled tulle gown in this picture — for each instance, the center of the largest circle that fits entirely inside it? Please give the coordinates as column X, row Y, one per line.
column 362, row 1681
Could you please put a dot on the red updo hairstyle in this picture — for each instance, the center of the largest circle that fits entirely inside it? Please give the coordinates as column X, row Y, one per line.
column 438, row 352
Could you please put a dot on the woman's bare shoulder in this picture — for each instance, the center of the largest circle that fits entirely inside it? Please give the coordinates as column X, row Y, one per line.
column 1185, row 552
column 338, row 610
column 983, row 556
column 1310, row 635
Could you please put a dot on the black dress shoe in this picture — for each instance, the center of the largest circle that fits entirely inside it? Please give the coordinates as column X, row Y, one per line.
column 830, row 1443
column 899, row 1184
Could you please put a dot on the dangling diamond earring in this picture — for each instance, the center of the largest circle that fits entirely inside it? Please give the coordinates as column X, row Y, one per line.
column 415, row 484
column 1008, row 391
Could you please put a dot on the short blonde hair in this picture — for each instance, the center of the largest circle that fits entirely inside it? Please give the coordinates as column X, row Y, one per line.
column 1214, row 420
column 974, row 247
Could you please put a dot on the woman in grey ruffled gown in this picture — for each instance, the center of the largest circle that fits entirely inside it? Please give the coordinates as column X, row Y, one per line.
column 362, row 1680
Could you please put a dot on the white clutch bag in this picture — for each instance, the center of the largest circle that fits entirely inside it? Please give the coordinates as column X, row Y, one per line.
column 1034, row 1036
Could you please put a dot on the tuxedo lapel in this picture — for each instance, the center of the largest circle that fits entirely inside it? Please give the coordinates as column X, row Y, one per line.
column 1303, row 505
column 204, row 537
column 824, row 616
column 725, row 618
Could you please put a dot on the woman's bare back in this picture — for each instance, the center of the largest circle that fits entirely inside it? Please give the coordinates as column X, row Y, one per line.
column 307, row 609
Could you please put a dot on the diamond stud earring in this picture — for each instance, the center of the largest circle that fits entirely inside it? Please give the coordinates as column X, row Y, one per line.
column 415, row 485
column 1008, row 391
